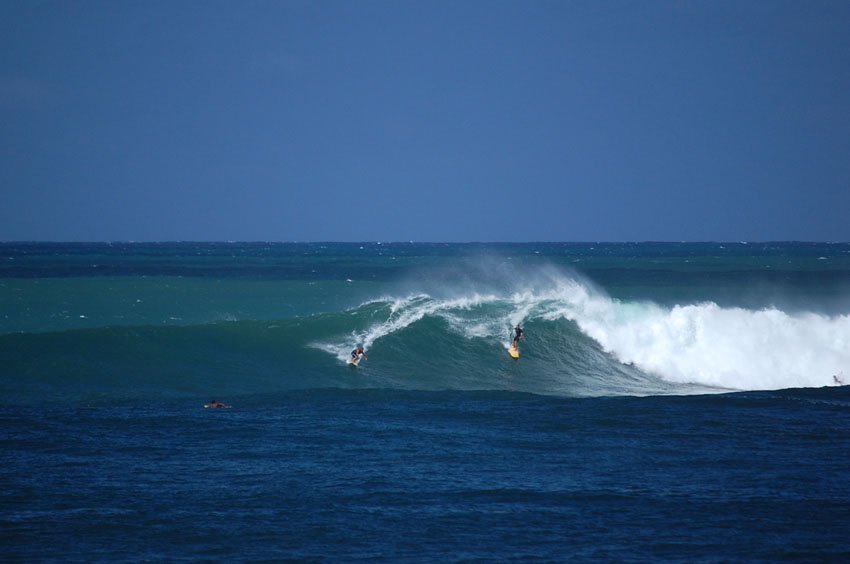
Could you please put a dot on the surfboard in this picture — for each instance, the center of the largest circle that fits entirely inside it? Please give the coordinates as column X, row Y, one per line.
column 513, row 351
column 355, row 361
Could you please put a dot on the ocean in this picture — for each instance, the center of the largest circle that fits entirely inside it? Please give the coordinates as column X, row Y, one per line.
column 677, row 402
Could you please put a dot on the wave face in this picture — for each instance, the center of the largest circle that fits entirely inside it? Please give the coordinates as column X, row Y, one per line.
column 447, row 330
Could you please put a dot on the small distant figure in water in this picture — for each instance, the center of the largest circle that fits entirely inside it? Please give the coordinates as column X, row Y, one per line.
column 215, row 403
column 355, row 354
column 517, row 335
column 838, row 381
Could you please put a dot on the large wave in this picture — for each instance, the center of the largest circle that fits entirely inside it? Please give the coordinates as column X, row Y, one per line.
column 702, row 345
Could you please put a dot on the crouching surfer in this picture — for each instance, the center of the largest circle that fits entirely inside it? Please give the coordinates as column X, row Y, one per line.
column 357, row 354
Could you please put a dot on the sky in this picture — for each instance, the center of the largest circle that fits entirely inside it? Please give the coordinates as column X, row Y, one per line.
column 362, row 120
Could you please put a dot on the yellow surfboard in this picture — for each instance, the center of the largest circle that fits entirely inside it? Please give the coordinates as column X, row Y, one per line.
column 513, row 351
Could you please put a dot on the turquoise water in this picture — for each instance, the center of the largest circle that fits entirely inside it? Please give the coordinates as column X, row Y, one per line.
column 677, row 402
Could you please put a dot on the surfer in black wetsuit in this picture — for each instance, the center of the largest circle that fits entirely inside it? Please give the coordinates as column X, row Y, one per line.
column 517, row 335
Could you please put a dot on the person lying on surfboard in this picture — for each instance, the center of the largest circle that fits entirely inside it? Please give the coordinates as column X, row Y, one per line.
column 517, row 335
column 355, row 354
column 214, row 403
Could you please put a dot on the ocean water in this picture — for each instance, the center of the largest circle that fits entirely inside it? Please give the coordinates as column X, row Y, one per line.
column 673, row 402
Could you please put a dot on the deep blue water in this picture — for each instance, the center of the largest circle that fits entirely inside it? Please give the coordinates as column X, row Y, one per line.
column 673, row 402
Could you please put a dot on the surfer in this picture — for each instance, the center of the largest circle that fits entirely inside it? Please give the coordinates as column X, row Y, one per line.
column 355, row 354
column 215, row 403
column 517, row 335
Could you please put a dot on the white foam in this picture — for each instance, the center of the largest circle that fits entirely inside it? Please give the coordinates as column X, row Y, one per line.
column 707, row 344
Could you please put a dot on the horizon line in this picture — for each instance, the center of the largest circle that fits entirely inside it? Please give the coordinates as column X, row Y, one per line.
column 409, row 242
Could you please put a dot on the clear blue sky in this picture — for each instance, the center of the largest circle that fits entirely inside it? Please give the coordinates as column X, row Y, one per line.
column 425, row 120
